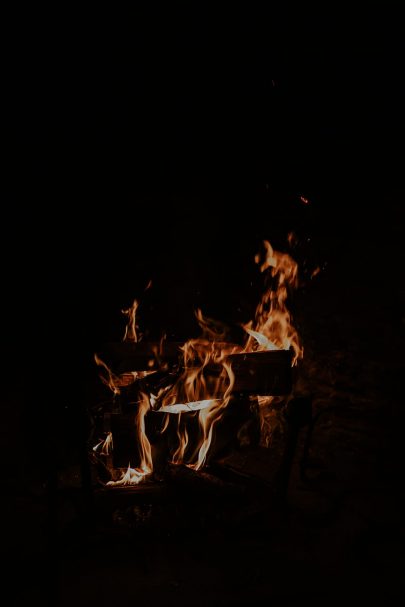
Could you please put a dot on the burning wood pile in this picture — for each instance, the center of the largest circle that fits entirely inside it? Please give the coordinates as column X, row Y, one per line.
column 187, row 405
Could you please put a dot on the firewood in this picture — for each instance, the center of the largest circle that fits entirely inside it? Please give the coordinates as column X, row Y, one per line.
column 264, row 372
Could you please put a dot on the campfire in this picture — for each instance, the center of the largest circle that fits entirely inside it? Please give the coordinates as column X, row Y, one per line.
column 183, row 404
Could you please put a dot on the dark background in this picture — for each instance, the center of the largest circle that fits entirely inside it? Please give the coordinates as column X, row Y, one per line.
column 165, row 144
column 177, row 133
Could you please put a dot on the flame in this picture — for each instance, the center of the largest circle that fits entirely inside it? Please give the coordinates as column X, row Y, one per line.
column 272, row 326
column 201, row 388
column 315, row 272
column 133, row 476
column 212, row 329
column 204, row 386
column 268, row 417
column 116, row 382
column 106, row 445
column 130, row 330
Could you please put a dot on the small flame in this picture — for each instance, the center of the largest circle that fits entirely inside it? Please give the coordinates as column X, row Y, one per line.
column 210, row 416
column 106, row 445
column 182, row 434
column 130, row 330
column 133, row 476
column 197, row 389
column 269, row 420
column 116, row 382
column 109, row 379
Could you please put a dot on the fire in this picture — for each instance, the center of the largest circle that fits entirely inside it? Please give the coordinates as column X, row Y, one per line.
column 116, row 382
column 133, row 476
column 200, row 389
column 130, row 330
column 209, row 416
column 130, row 477
column 272, row 327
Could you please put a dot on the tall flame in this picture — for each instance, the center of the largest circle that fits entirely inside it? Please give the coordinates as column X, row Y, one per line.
column 197, row 390
column 108, row 378
column 130, row 330
column 272, row 327
column 133, row 476
column 182, row 435
column 210, row 416
column 106, row 445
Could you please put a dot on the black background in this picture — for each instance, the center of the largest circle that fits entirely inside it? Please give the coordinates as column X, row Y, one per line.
column 165, row 143
column 145, row 141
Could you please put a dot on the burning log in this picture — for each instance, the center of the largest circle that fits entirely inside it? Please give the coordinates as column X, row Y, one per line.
column 266, row 372
column 202, row 389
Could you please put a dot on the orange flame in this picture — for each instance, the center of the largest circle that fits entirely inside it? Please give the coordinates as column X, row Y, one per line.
column 205, row 386
column 106, row 445
column 133, row 476
column 272, row 327
column 116, row 382
column 130, row 330
column 208, row 417
column 109, row 379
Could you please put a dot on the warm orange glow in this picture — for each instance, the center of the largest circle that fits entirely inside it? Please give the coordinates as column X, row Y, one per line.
column 105, row 446
column 202, row 384
column 272, row 327
column 108, row 378
column 130, row 329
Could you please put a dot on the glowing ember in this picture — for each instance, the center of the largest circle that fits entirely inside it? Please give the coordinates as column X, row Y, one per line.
column 130, row 329
column 272, row 327
column 197, row 406
column 109, row 379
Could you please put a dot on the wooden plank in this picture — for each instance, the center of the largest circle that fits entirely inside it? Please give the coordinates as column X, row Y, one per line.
column 264, row 373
